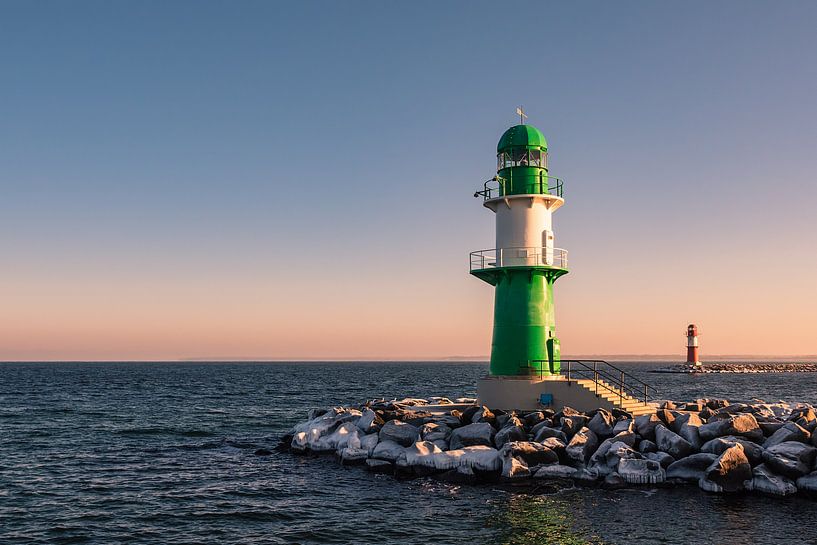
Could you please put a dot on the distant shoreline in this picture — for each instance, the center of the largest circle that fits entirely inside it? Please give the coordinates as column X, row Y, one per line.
column 449, row 360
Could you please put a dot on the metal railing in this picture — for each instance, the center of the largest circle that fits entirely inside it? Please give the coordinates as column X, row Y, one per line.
column 546, row 185
column 529, row 256
column 605, row 376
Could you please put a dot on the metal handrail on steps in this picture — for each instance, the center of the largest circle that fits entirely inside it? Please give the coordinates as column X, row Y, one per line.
column 604, row 374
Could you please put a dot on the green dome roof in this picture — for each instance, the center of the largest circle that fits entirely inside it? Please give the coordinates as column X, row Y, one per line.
column 522, row 136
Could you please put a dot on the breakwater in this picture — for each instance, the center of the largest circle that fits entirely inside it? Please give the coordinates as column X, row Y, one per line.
column 719, row 446
column 742, row 368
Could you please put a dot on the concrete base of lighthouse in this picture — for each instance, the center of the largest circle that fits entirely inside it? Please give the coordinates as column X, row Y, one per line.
column 524, row 394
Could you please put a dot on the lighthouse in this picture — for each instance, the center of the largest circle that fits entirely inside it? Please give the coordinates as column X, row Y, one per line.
column 524, row 264
column 526, row 370
column 692, row 347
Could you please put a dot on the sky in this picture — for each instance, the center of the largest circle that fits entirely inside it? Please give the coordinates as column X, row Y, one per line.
column 294, row 180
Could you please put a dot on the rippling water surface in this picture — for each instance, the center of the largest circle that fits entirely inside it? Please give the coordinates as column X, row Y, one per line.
column 165, row 453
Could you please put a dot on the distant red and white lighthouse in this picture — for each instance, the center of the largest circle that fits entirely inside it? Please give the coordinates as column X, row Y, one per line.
column 692, row 346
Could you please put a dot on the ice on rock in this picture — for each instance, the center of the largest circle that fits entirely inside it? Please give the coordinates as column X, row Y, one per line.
column 352, row 455
column 369, row 442
column 324, row 423
column 388, row 450
column 555, row 471
column 347, row 434
column 638, row 471
column 763, row 480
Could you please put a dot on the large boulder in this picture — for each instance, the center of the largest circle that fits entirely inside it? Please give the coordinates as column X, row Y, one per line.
column 582, row 445
column 691, row 434
column 661, row 457
column 666, row 416
column 353, row 456
column 508, row 434
column 421, row 454
column 645, row 425
column 388, row 450
column 369, row 442
column 555, row 471
column 514, row 469
column 763, row 480
column 743, row 424
column 623, row 425
column 481, row 458
column 682, row 418
column 324, row 422
column 471, row 435
column 637, row 471
column 369, row 421
column 808, row 483
column 672, row 443
column 345, row 435
column 606, row 458
column 728, row 473
column 572, row 424
column 531, row 419
column 545, row 432
column 599, row 458
column 645, row 446
column 531, row 453
column 483, row 414
column 434, row 431
column 558, row 447
column 399, row 432
column 753, row 451
column 602, row 424
column 691, row 468
column 790, row 431
column 790, row 459
column 804, row 417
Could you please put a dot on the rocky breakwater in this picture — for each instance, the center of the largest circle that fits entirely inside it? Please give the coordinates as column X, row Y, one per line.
column 718, row 446
column 731, row 367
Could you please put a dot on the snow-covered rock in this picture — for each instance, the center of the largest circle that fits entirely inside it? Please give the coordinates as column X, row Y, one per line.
column 582, row 445
column 728, row 473
column 602, row 424
column 645, row 425
column 790, row 431
column 508, row 434
column 743, row 424
column 664, row 459
column 369, row 441
column 808, row 482
column 369, row 421
column 544, row 432
column 691, row 468
column 672, row 443
column 388, row 450
column 399, row 432
column 531, row 453
column 753, row 451
column 473, row 434
column 555, row 471
column 790, row 459
column 639, row 471
column 353, row 456
column 763, row 480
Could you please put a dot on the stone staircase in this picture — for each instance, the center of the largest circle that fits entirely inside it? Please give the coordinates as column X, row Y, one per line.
column 609, row 397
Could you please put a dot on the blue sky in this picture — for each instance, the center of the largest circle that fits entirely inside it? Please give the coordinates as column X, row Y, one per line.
column 294, row 179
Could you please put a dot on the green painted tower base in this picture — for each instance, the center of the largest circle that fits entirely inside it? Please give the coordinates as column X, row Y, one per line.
column 524, row 337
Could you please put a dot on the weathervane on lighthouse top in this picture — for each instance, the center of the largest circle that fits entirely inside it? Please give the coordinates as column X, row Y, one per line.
column 521, row 113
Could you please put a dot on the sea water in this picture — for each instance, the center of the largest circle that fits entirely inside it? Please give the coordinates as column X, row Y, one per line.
column 166, row 453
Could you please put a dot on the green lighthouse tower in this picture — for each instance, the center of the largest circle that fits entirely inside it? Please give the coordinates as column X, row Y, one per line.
column 524, row 264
